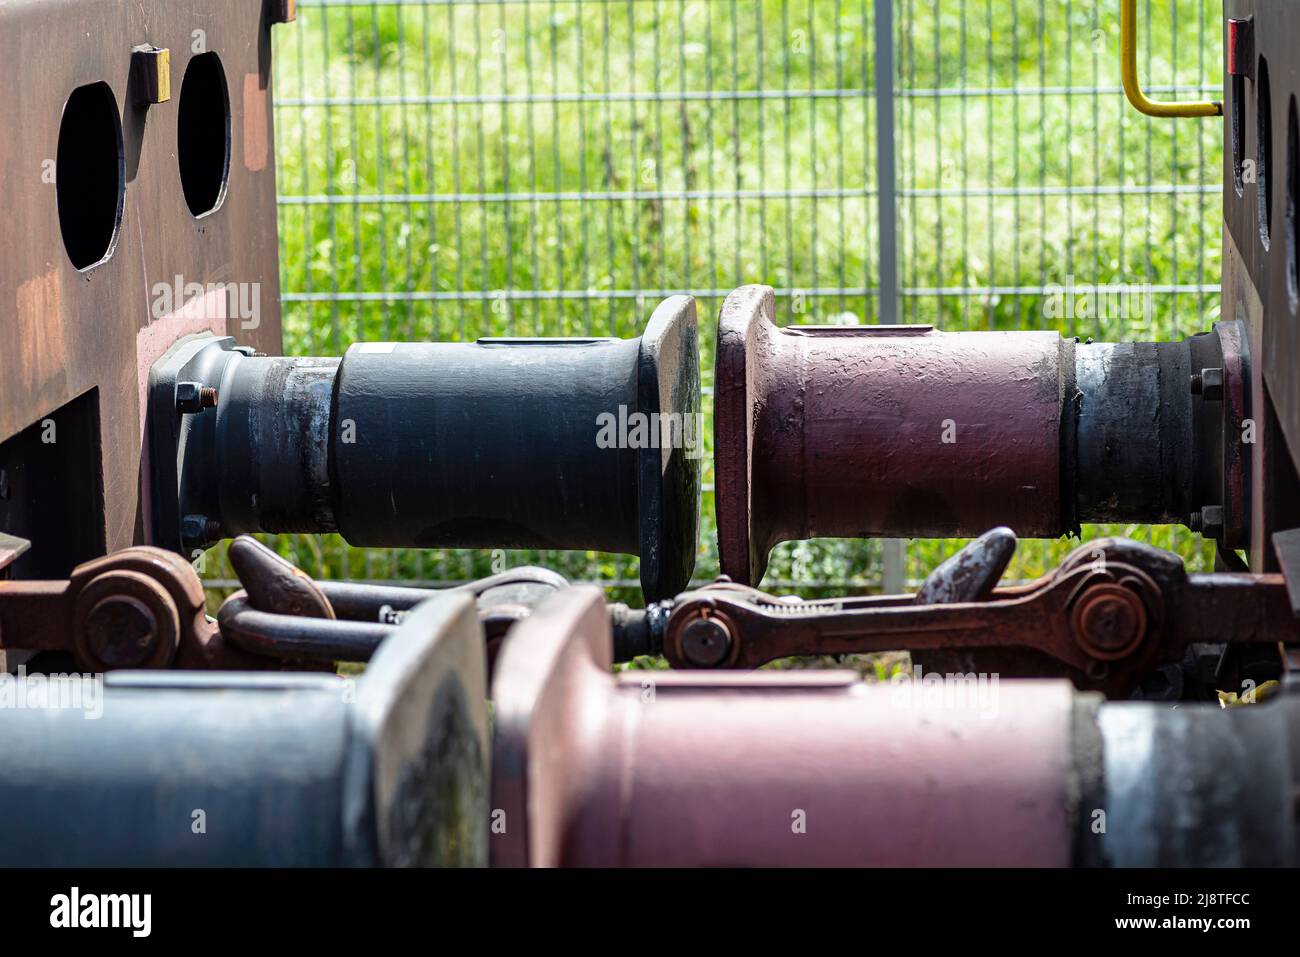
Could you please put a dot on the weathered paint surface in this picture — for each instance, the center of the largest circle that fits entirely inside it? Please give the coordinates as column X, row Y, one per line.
column 762, row 769
column 70, row 332
column 887, row 431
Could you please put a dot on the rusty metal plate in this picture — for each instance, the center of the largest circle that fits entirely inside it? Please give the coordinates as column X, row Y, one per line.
column 100, row 186
column 1261, row 177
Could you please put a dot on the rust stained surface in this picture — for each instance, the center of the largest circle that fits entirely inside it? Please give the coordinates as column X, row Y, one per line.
column 1258, row 276
column 207, row 313
column 39, row 313
column 879, row 431
column 70, row 332
column 1266, row 266
column 82, row 616
column 257, row 124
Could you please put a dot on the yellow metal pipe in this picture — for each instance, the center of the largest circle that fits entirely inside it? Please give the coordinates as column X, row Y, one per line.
column 1133, row 89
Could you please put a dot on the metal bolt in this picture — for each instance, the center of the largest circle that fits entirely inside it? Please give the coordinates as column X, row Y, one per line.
column 1212, row 384
column 187, row 397
column 4, row 485
column 192, row 397
column 706, row 642
column 1208, row 521
column 1211, row 524
column 1164, row 684
column 200, row 528
column 1109, row 621
column 121, row 631
column 1208, row 384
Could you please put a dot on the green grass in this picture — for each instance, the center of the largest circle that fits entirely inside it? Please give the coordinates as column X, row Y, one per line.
column 491, row 252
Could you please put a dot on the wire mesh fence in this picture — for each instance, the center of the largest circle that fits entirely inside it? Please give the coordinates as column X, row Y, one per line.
column 450, row 169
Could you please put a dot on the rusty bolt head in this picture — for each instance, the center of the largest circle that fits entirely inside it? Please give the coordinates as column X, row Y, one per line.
column 1208, row 384
column 121, row 632
column 1109, row 621
column 125, row 619
column 706, row 642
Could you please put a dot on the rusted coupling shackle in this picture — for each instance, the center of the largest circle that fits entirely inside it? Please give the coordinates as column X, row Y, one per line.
column 906, row 431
